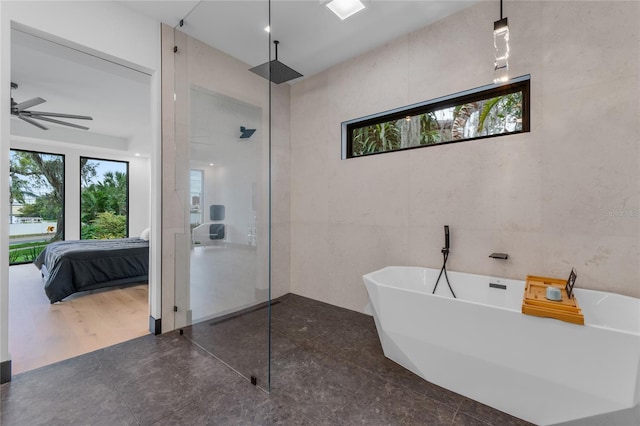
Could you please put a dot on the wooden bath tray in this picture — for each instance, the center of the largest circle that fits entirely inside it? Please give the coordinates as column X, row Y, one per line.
column 535, row 302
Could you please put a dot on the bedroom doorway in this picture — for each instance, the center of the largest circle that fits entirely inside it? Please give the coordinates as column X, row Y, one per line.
column 50, row 209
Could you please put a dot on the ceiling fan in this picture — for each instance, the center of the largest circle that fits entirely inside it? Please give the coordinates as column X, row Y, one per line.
column 20, row 111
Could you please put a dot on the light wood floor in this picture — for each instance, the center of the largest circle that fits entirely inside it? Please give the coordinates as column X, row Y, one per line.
column 41, row 333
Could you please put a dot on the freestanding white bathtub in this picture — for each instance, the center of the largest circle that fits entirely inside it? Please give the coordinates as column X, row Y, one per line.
column 480, row 345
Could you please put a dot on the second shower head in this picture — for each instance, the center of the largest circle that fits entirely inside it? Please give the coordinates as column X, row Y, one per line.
column 246, row 133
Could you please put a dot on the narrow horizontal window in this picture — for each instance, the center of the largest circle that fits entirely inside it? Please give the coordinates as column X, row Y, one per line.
column 488, row 111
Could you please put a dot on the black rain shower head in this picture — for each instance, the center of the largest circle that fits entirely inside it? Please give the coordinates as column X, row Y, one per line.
column 246, row 133
column 279, row 71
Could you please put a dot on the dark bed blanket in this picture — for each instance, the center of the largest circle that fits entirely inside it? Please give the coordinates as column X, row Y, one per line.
column 73, row 266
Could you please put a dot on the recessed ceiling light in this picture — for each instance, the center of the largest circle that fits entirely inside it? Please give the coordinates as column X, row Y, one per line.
column 211, row 164
column 345, row 8
column 267, row 29
column 137, row 154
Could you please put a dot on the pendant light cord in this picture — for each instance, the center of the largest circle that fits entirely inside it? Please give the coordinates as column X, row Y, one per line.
column 500, row 9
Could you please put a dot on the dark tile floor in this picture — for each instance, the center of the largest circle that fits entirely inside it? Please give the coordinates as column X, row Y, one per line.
column 327, row 368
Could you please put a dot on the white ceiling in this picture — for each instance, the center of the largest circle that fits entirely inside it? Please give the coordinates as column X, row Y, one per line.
column 312, row 39
column 74, row 82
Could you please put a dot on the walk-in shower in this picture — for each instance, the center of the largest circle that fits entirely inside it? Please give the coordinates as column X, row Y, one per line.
column 219, row 166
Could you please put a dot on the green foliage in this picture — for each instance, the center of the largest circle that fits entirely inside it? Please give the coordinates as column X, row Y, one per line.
column 24, row 255
column 430, row 129
column 376, row 138
column 38, row 176
column 45, row 207
column 498, row 113
column 107, row 225
column 109, row 195
column 88, row 170
column 31, row 244
column 103, row 203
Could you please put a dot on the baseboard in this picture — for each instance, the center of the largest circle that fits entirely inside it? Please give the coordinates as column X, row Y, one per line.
column 5, row 372
column 155, row 325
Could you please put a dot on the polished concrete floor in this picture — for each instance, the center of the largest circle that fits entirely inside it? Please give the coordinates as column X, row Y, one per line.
column 327, row 369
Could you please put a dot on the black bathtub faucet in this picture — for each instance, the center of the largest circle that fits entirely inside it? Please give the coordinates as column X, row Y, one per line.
column 445, row 254
column 501, row 256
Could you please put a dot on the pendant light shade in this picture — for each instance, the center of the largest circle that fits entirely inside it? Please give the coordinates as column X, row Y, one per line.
column 501, row 46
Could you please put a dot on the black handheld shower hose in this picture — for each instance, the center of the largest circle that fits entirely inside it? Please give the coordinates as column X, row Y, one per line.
column 445, row 254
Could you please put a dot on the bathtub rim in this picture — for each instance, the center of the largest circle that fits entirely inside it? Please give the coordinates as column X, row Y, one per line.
column 577, row 290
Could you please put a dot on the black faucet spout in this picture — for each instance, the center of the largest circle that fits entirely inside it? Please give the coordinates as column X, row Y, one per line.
column 501, row 256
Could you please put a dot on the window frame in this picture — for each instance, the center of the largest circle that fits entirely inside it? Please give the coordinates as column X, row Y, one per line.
column 518, row 84
column 201, row 193
column 80, row 190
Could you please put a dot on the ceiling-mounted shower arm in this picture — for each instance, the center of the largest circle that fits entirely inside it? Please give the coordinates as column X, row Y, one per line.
column 274, row 70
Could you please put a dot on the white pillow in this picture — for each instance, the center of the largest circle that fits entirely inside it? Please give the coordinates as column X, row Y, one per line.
column 146, row 234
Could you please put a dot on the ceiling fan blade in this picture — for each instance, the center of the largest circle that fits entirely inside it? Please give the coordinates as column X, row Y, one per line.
column 33, row 122
column 56, row 114
column 28, row 104
column 51, row 120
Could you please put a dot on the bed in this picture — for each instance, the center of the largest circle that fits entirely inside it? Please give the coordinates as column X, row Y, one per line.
column 72, row 266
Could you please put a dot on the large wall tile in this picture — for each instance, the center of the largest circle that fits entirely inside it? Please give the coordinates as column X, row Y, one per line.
column 369, row 191
column 589, row 42
column 309, row 188
column 383, row 245
column 608, row 263
column 591, row 155
column 309, row 112
column 310, row 260
column 566, row 194
column 370, row 83
column 452, row 55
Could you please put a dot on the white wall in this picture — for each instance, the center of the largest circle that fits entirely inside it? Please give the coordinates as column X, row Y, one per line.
column 139, row 183
column 108, row 30
column 230, row 184
column 544, row 197
column 215, row 122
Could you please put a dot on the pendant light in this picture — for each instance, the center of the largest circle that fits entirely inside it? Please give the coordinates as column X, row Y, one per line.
column 501, row 45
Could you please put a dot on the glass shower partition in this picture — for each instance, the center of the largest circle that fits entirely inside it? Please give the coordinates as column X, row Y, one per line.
column 222, row 139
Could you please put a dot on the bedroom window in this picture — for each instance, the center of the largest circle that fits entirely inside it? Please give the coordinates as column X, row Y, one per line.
column 36, row 215
column 104, row 199
column 195, row 208
column 483, row 112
